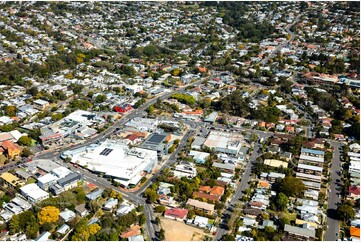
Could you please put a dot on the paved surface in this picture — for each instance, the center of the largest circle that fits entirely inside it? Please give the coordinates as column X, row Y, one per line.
column 333, row 225
column 287, row 28
column 242, row 186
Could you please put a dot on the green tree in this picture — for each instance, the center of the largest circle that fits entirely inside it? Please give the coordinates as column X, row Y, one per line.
column 228, row 237
column 77, row 88
column 159, row 209
column 24, row 140
column 292, row 187
column 345, row 212
column 100, row 98
column 191, row 214
column 56, row 116
column 142, row 219
column 26, row 152
column 281, row 201
column 151, row 109
column 151, row 195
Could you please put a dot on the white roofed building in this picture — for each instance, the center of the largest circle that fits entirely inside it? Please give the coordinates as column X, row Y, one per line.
column 115, row 159
column 34, row 193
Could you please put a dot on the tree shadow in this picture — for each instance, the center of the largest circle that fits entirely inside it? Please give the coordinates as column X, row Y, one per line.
column 332, row 213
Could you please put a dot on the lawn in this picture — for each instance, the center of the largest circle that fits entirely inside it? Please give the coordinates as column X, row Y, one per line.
column 289, row 216
column 2, row 159
column 31, row 180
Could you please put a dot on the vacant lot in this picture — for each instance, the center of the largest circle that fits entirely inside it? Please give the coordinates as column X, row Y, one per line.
column 175, row 230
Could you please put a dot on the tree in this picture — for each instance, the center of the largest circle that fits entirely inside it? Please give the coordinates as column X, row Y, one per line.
column 157, row 220
column 161, row 234
column 26, row 152
column 10, row 111
column 142, row 219
column 56, row 116
column 159, row 209
column 292, row 187
column 139, row 103
column 24, row 140
column 48, row 214
column 281, row 201
column 77, row 88
column 190, row 214
column 345, row 212
column 93, row 229
column 151, row 195
column 140, row 208
column 100, row 98
column 151, row 109
column 32, row 231
column 228, row 237
column 33, row 91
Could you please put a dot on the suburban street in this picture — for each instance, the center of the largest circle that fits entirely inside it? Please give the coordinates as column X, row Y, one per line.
column 242, row 186
column 333, row 225
column 287, row 28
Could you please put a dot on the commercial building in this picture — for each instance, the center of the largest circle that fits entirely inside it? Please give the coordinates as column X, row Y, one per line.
column 33, row 193
column 116, row 160
column 68, row 182
column 157, row 142
column 46, row 181
column 227, row 143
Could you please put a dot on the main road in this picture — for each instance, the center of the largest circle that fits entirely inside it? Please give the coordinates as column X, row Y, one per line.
column 333, row 225
column 133, row 114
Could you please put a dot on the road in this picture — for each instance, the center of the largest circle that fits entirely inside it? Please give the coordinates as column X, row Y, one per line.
column 119, row 123
column 333, row 225
column 242, row 186
column 287, row 28
column 172, row 159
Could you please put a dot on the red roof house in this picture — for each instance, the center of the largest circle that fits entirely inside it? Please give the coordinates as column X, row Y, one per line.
column 354, row 192
column 176, row 213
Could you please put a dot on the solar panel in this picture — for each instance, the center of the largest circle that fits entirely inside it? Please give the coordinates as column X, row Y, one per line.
column 106, row 151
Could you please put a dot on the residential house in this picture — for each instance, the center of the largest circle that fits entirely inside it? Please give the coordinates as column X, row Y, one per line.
column 165, row 200
column 67, row 215
column 11, row 149
column 11, row 180
column 125, row 208
column 176, row 213
column 81, row 210
column 133, row 231
column 200, row 221
column 203, row 206
column 199, row 157
column 40, row 104
column 94, row 194
column 110, row 204
column 305, row 231
column 63, row 229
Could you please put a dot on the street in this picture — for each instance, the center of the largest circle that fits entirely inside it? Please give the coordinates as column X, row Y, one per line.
column 287, row 28
column 242, row 186
column 333, row 225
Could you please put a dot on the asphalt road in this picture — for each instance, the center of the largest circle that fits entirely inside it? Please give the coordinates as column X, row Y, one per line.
column 333, row 225
column 242, row 186
column 133, row 114
column 287, row 28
